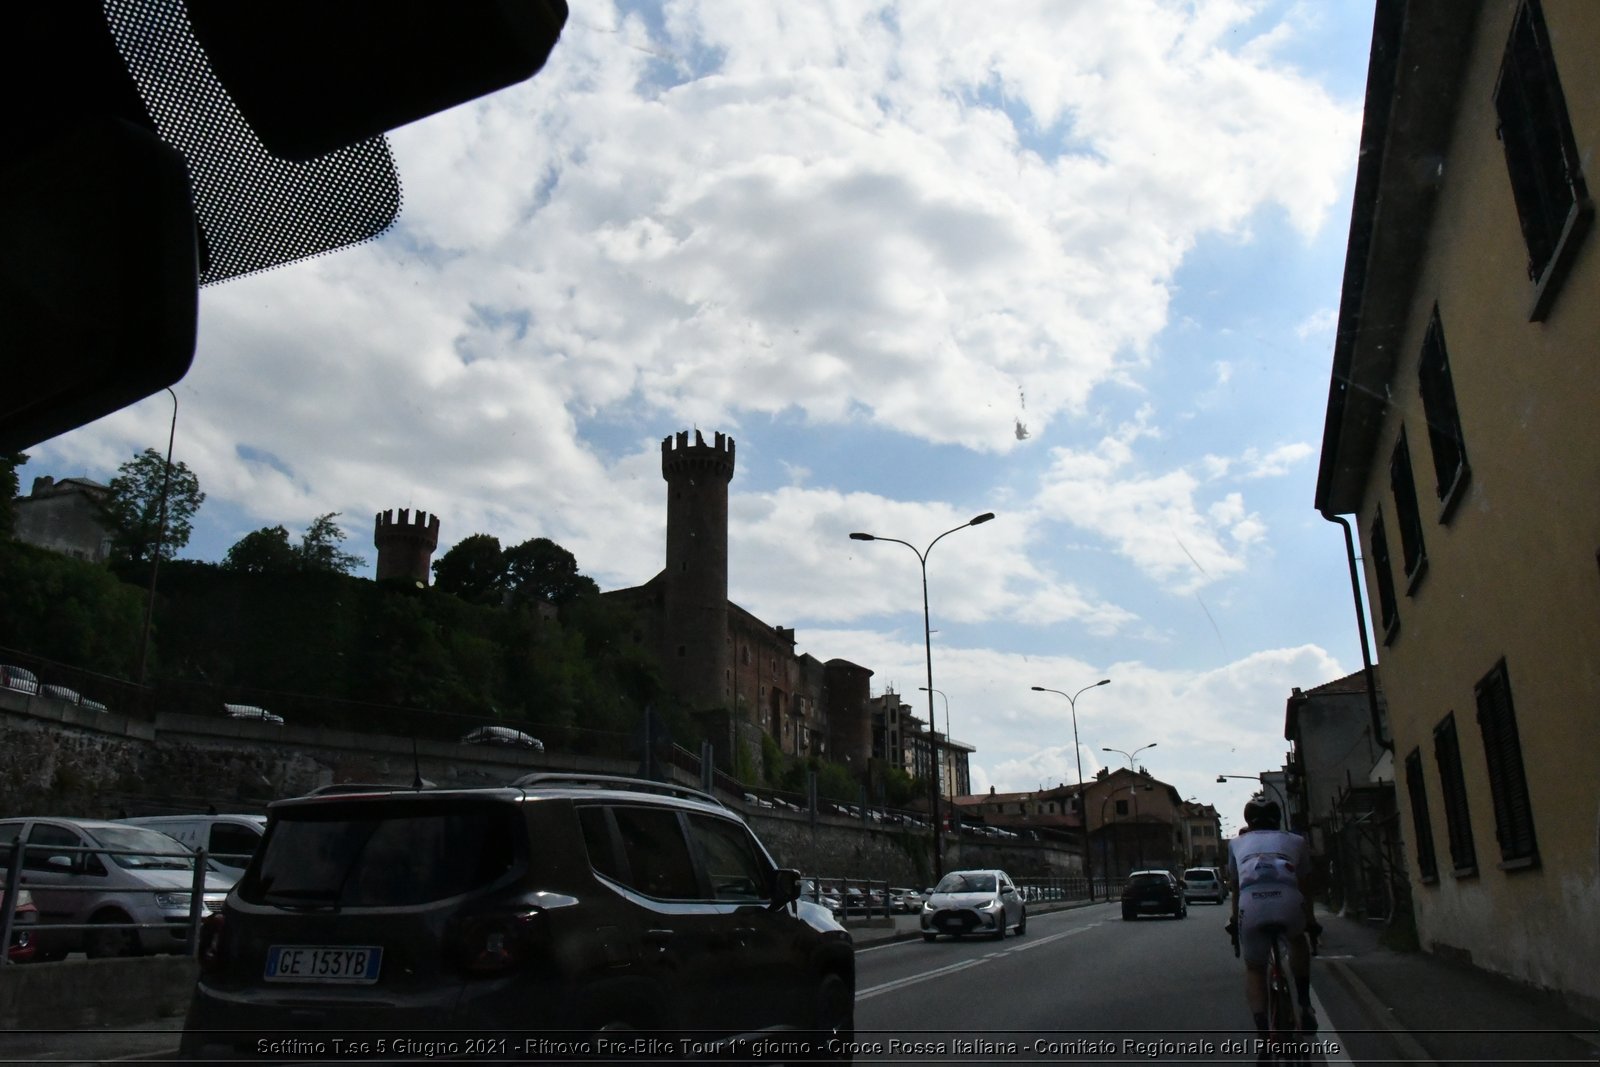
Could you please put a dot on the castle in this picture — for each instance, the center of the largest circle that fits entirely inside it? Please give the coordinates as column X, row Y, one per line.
column 742, row 674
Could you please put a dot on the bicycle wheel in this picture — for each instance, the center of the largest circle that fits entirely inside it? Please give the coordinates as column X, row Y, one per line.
column 1283, row 1022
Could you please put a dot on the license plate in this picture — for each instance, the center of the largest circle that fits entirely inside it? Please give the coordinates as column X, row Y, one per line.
column 324, row 963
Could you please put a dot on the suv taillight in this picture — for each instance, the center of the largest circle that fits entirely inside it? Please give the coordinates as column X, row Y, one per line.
column 495, row 942
column 213, row 952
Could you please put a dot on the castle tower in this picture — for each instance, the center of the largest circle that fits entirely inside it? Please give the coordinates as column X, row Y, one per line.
column 696, row 654
column 405, row 546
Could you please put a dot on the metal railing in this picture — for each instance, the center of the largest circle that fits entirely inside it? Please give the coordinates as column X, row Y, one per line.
column 14, row 885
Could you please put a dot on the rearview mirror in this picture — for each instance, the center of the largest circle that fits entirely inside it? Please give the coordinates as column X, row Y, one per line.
column 785, row 888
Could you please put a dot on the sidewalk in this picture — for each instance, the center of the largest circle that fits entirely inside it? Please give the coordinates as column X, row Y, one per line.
column 1437, row 1011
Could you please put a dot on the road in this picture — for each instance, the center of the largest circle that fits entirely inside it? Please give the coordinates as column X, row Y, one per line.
column 1081, row 985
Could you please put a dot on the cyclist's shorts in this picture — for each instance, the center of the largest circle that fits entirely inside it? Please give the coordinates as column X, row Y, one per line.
column 1262, row 906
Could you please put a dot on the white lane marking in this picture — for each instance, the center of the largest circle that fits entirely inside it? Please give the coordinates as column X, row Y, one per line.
column 901, row 983
column 1339, row 1055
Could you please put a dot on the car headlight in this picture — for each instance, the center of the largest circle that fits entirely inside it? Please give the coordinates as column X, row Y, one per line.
column 927, row 905
column 173, row 901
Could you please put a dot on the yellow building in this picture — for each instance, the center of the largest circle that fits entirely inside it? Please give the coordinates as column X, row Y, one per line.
column 1463, row 439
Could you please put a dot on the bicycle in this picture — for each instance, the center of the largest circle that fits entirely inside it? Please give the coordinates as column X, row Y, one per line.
column 1285, row 1041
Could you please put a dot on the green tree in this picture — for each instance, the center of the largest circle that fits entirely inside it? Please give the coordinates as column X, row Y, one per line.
column 9, row 462
column 141, row 495
column 319, row 547
column 541, row 568
column 474, row 569
column 263, row 551
column 68, row 610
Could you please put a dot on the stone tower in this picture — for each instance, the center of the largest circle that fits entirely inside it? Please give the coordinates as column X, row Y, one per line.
column 695, row 609
column 405, row 546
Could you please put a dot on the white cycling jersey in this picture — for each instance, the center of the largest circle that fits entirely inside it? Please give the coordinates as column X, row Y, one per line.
column 1265, row 857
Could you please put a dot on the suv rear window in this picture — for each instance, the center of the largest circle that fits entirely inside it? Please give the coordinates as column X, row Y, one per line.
column 1199, row 875
column 1148, row 879
column 383, row 854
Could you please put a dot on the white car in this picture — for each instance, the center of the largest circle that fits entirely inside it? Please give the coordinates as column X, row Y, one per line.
column 131, row 885
column 974, row 902
column 1204, row 883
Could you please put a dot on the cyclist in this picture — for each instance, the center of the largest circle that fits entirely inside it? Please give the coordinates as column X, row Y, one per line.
column 1269, row 872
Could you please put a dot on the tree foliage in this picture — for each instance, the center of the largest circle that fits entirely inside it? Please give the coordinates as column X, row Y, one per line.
column 263, row 551
column 68, row 610
column 9, row 462
column 541, row 568
column 144, row 507
column 474, row 569
column 267, row 550
column 319, row 547
column 477, row 569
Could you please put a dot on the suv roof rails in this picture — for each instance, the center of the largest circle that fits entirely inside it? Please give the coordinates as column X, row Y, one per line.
column 366, row 787
column 614, row 781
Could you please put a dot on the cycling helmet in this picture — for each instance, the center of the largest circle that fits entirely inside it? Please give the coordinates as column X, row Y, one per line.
column 1262, row 814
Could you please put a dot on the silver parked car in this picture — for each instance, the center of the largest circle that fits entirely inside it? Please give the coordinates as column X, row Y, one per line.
column 130, row 885
column 974, row 902
column 1204, row 883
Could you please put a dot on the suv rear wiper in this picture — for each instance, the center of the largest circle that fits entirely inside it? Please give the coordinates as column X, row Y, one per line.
column 306, row 898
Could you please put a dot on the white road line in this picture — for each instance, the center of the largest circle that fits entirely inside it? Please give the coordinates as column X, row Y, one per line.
column 900, row 983
column 1021, row 946
column 1341, row 1055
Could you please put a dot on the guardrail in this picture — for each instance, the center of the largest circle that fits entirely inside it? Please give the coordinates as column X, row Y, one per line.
column 16, row 858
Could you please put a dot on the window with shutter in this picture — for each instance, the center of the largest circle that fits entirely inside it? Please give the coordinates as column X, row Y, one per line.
column 1452, row 783
column 1445, row 439
column 1383, row 570
column 1407, row 516
column 1508, row 784
column 1542, row 160
column 1422, row 827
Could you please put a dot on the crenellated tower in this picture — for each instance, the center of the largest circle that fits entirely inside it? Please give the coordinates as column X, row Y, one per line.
column 698, row 660
column 405, row 545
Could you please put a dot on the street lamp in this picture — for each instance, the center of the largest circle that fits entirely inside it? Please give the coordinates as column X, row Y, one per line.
column 1265, row 785
column 942, row 693
column 927, row 643
column 1130, row 755
column 161, row 537
column 1077, row 753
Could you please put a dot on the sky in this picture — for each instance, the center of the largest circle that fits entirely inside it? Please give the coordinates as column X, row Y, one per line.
column 1074, row 263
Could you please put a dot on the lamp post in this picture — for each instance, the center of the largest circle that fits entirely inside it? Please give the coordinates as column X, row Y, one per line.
column 1265, row 785
column 946, row 697
column 1077, row 753
column 1130, row 755
column 927, row 644
column 161, row 537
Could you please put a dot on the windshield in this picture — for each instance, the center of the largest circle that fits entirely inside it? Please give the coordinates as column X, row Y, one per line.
column 136, row 848
column 966, row 882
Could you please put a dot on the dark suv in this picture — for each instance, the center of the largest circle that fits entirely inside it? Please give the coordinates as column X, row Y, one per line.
column 1153, row 893
column 563, row 917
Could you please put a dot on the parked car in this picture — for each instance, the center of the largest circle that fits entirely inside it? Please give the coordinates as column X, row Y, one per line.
column 563, row 904
column 250, row 711
column 1204, row 883
column 972, row 902
column 61, row 692
column 132, row 884
column 1153, row 893
column 229, row 840
column 903, row 900
column 23, row 945
column 502, row 735
column 19, row 678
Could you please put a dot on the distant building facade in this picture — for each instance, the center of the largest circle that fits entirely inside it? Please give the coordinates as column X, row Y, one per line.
column 66, row 517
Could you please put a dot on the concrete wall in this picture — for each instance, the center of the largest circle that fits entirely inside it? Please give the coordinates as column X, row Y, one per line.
column 125, row 992
column 58, row 759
